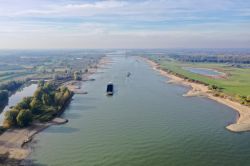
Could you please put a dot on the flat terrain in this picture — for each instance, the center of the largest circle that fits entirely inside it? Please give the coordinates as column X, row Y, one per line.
column 237, row 81
column 147, row 122
column 197, row 89
column 47, row 64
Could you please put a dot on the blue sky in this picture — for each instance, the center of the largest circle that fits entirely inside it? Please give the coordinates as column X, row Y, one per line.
column 124, row 24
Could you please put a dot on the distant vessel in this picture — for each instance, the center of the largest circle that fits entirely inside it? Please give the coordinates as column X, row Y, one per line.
column 128, row 74
column 110, row 89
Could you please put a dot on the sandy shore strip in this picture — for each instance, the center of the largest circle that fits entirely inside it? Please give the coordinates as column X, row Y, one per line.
column 75, row 86
column 242, row 123
column 104, row 61
column 12, row 142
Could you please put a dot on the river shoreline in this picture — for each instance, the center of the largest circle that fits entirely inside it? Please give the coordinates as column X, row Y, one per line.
column 13, row 150
column 242, row 123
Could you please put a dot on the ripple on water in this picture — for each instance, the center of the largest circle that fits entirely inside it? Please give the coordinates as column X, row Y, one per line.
column 146, row 123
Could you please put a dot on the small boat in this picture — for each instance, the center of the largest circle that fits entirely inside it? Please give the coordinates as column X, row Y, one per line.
column 110, row 89
column 128, row 74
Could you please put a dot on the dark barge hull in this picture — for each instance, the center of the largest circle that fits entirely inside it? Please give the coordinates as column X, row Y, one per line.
column 110, row 89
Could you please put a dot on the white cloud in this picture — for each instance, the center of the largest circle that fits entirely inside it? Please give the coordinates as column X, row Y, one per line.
column 149, row 23
column 148, row 7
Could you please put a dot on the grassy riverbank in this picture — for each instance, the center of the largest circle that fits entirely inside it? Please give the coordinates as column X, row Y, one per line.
column 235, row 84
column 200, row 89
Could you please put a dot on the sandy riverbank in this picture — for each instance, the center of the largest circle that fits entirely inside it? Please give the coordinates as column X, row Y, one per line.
column 242, row 123
column 12, row 145
column 75, row 86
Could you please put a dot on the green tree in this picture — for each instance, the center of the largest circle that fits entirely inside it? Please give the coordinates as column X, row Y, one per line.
column 66, row 96
column 47, row 99
column 48, row 87
column 248, row 98
column 41, row 83
column 25, row 103
column 24, row 118
column 38, row 93
column 4, row 96
column 10, row 118
column 77, row 76
column 57, row 97
column 36, row 106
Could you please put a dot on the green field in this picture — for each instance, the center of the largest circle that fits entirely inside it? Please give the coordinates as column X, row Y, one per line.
column 5, row 77
column 236, row 83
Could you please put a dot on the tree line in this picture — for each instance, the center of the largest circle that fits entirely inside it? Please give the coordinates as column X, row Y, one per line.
column 241, row 59
column 47, row 102
column 11, row 85
column 4, row 96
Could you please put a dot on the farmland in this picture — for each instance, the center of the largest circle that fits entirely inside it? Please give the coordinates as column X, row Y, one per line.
column 24, row 64
column 237, row 81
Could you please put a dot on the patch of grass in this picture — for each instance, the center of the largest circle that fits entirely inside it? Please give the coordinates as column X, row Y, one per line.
column 16, row 76
column 236, row 83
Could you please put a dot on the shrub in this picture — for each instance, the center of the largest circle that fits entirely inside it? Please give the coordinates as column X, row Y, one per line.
column 24, row 118
column 10, row 118
column 24, row 104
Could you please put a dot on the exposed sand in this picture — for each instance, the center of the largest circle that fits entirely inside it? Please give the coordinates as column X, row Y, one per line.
column 12, row 142
column 242, row 123
column 104, row 61
column 75, row 86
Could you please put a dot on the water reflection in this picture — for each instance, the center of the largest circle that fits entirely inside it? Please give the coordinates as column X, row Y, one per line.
column 204, row 71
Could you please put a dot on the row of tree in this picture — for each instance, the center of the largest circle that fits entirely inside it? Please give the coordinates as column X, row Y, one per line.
column 212, row 58
column 47, row 101
column 11, row 85
column 4, row 96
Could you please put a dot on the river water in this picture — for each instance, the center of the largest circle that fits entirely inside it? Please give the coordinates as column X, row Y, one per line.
column 146, row 123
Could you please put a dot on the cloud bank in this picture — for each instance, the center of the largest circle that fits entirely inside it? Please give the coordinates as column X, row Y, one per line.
column 124, row 24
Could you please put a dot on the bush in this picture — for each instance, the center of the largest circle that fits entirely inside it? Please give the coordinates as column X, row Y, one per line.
column 10, row 118
column 45, row 104
column 24, row 118
column 217, row 94
column 77, row 76
column 24, row 104
column 248, row 98
column 11, row 86
column 36, row 106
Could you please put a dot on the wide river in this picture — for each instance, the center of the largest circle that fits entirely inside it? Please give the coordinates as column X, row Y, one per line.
column 146, row 123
